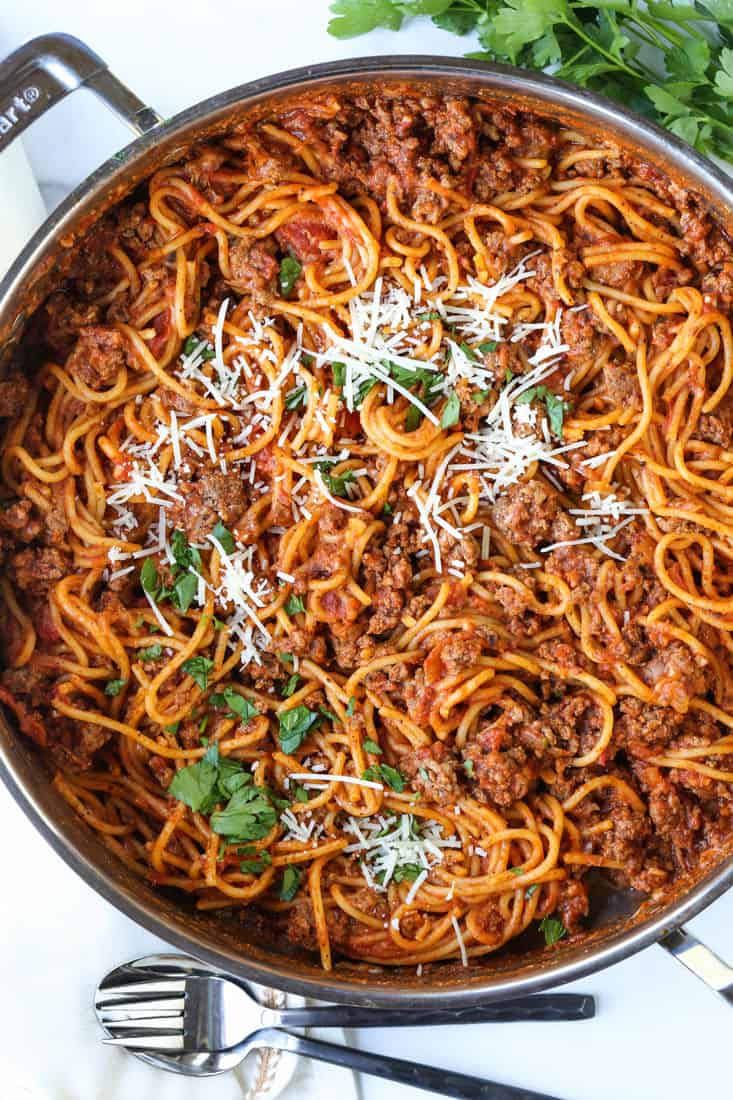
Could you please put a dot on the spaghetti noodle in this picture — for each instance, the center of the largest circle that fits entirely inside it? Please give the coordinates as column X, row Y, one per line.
column 368, row 525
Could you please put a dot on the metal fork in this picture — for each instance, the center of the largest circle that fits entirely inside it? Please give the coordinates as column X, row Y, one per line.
column 220, row 1009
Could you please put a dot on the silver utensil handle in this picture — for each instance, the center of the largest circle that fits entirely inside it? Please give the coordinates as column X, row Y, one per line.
column 45, row 70
column 544, row 1007
column 703, row 962
column 443, row 1081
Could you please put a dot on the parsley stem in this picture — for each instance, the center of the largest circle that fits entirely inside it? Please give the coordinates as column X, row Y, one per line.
column 576, row 26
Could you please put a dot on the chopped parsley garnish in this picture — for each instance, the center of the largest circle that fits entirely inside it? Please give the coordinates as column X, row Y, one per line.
column 248, row 815
column 555, row 406
column 202, row 349
column 468, row 767
column 224, row 537
column 286, row 658
column 114, row 687
column 387, row 510
column 468, row 352
column 203, row 723
column 185, row 568
column 407, row 872
column 184, row 590
column 350, row 706
column 152, row 653
column 531, row 890
column 296, row 397
column 294, row 605
column 173, row 727
column 218, row 624
column 184, row 555
column 429, row 383
column 149, row 578
column 255, row 862
column 481, row 395
column 552, row 929
column 335, row 483
column 372, row 747
column 291, row 686
column 328, row 714
column 451, row 411
column 413, row 418
column 198, row 668
column 290, row 269
column 290, row 883
column 432, row 316
column 300, row 794
column 487, row 347
column 339, row 374
column 236, row 703
column 216, row 779
column 294, row 726
column 384, row 773
column 516, row 870
column 508, row 375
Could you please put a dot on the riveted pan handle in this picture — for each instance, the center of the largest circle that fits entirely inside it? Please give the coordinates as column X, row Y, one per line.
column 703, row 962
column 43, row 71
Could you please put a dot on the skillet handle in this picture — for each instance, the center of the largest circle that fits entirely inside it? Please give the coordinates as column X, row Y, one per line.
column 43, row 71
column 703, row 962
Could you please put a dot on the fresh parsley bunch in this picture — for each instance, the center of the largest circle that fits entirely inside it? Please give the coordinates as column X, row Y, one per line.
column 671, row 62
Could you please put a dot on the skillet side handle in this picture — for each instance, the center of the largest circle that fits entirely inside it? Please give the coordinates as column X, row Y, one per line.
column 43, row 71
column 703, row 962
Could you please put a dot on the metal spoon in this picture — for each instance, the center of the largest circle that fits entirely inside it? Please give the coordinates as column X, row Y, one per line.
column 234, row 1014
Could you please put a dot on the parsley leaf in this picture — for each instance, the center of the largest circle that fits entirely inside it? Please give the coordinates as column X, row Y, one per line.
column 236, row 703
column 352, row 17
column 488, row 346
column 294, row 726
column 451, row 411
column 384, row 773
column 339, row 374
column 114, row 687
column 201, row 348
column 248, row 815
column 149, row 577
column 184, row 555
column 225, row 537
column 294, row 605
column 290, row 883
column 406, row 872
column 555, row 406
column 196, row 785
column 468, row 767
column 290, row 686
column 198, row 668
column 552, row 929
column 372, row 747
column 296, row 397
column 335, row 483
column 256, row 861
column 290, row 269
column 184, row 590
column 152, row 653
column 350, row 706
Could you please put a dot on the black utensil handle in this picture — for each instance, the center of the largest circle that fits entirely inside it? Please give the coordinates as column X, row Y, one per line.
column 45, row 70
column 551, row 1007
column 446, row 1082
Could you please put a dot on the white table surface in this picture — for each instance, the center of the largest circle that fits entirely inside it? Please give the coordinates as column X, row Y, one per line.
column 659, row 1035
